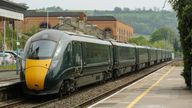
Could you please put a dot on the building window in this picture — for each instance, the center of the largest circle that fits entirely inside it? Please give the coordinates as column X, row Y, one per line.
column 44, row 25
column 108, row 30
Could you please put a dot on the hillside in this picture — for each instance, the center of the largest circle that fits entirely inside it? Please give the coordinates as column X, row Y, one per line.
column 143, row 21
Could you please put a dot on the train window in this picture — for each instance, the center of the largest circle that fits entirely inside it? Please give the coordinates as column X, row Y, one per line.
column 131, row 52
column 58, row 49
column 96, row 53
column 41, row 49
column 126, row 53
column 77, row 53
column 123, row 53
column 143, row 54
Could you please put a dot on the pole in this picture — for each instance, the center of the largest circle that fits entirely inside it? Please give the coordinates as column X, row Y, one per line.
column 47, row 20
column 17, row 44
column 12, row 34
column 4, row 35
column 164, row 3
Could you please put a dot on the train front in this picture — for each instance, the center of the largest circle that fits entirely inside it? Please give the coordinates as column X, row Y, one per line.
column 39, row 63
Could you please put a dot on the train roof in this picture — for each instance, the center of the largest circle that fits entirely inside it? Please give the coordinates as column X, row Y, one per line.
column 123, row 44
column 142, row 47
column 56, row 35
column 89, row 39
column 53, row 35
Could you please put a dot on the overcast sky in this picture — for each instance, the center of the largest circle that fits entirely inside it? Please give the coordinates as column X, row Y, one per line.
column 95, row 4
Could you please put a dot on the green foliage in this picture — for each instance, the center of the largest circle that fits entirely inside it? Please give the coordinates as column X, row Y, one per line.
column 183, row 9
column 11, row 39
column 168, row 35
column 117, row 9
column 1, row 41
column 164, row 38
column 143, row 21
column 8, row 67
column 145, row 42
column 164, row 33
column 163, row 45
column 139, row 41
column 51, row 9
column 33, row 30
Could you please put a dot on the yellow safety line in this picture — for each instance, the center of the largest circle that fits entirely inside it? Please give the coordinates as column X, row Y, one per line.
column 138, row 98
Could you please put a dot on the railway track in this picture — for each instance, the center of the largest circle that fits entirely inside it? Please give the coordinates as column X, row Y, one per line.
column 25, row 102
column 10, row 103
column 8, row 79
column 87, row 95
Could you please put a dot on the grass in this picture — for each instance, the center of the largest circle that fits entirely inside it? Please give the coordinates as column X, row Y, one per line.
column 8, row 67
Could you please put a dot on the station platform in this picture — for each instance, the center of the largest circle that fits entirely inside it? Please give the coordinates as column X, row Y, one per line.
column 164, row 88
column 8, row 78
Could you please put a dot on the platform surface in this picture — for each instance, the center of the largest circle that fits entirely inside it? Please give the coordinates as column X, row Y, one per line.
column 8, row 78
column 163, row 89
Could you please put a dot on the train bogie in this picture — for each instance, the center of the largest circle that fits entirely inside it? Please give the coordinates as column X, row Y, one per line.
column 124, row 58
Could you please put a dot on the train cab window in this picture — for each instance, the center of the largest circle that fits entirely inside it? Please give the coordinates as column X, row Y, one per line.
column 41, row 49
column 77, row 53
column 67, row 61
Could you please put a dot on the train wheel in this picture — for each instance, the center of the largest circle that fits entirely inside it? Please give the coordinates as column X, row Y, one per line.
column 64, row 89
column 137, row 67
column 73, row 86
column 115, row 74
column 133, row 68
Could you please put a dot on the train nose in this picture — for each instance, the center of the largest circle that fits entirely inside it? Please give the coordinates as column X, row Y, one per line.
column 35, row 77
column 35, row 74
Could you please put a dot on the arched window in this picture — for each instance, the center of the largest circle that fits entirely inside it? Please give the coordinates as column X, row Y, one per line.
column 108, row 30
column 44, row 25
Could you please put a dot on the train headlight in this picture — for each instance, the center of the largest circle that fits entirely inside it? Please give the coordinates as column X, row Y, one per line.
column 54, row 64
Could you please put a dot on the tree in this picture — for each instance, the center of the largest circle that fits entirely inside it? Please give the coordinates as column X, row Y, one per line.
column 139, row 41
column 183, row 9
column 166, row 34
column 162, row 44
column 126, row 9
column 33, row 30
column 51, row 9
column 117, row 9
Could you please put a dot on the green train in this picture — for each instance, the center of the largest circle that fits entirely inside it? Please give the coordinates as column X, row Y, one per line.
column 57, row 62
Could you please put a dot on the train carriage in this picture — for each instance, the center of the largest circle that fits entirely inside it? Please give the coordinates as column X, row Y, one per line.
column 142, row 57
column 159, row 55
column 124, row 58
column 152, row 56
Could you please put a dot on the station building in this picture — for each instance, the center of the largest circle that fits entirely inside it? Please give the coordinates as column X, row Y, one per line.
column 121, row 31
column 9, row 12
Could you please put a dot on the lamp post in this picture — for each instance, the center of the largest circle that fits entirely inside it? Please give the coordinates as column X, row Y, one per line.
column 12, row 34
column 17, row 44
column 4, row 35
column 47, row 19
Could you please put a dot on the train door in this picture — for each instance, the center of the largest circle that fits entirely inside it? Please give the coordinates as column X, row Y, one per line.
column 77, row 55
